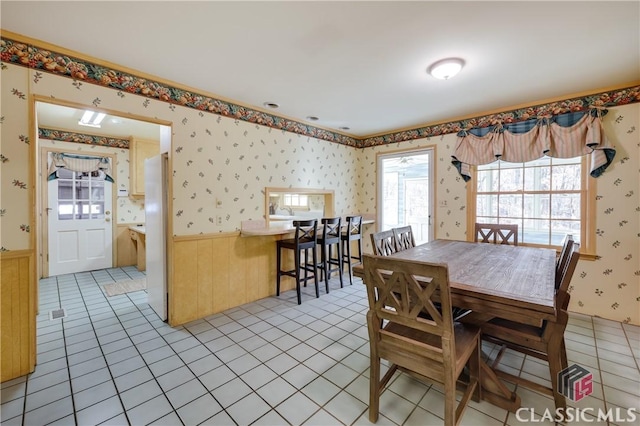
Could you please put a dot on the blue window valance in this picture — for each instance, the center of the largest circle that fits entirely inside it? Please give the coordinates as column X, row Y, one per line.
column 561, row 136
column 79, row 163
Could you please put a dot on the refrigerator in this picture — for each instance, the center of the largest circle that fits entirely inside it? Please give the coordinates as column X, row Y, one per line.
column 155, row 209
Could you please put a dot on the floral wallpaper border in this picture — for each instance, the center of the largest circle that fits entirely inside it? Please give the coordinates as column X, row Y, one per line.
column 84, row 71
column 65, row 136
column 80, row 71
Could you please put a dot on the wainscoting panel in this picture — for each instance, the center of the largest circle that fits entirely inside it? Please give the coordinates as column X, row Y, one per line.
column 126, row 250
column 17, row 314
column 218, row 272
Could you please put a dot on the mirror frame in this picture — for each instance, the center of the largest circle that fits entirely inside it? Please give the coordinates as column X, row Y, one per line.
column 329, row 199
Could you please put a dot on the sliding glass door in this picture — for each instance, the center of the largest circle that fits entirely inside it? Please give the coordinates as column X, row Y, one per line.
column 405, row 192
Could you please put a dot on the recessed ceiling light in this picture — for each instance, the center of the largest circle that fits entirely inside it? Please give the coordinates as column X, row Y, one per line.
column 312, row 118
column 446, row 68
column 92, row 119
column 272, row 105
column 344, row 128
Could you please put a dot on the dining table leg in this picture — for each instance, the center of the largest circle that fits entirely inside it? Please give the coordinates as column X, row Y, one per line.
column 495, row 392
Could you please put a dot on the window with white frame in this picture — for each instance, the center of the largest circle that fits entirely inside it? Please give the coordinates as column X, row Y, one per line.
column 296, row 200
column 547, row 198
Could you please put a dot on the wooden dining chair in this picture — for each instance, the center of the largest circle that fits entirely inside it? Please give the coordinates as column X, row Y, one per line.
column 384, row 243
column 431, row 348
column 496, row 233
column 545, row 342
column 563, row 258
column 404, row 237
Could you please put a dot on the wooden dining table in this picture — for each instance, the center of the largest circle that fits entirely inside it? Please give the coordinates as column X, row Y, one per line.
column 510, row 282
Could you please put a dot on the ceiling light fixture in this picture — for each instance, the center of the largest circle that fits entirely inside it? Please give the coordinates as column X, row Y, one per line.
column 312, row 118
column 344, row 128
column 92, row 119
column 271, row 105
column 446, row 68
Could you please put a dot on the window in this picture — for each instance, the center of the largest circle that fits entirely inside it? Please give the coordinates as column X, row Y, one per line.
column 80, row 195
column 296, row 200
column 547, row 198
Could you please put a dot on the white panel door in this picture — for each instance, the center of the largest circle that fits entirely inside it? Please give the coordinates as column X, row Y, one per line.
column 80, row 225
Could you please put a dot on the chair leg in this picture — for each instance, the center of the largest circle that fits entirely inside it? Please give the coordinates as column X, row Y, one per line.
column 278, row 256
column 314, row 254
column 555, row 366
column 347, row 256
column 325, row 265
column 306, row 261
column 374, row 390
column 339, row 257
column 449, row 400
column 297, row 266
column 474, row 372
column 563, row 355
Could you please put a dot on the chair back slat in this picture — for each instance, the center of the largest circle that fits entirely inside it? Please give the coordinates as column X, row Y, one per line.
column 401, row 290
column 354, row 226
column 331, row 228
column 404, row 237
column 496, row 233
column 562, row 292
column 384, row 243
column 305, row 230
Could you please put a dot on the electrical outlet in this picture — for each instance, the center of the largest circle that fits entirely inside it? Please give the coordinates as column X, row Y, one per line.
column 443, row 203
column 218, row 220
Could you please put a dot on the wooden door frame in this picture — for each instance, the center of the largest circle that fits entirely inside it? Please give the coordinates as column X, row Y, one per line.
column 413, row 150
column 44, row 201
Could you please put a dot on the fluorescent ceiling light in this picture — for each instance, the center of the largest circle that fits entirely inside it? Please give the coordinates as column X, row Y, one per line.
column 446, row 68
column 92, row 119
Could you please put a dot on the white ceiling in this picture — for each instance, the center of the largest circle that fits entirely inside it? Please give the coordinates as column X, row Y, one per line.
column 357, row 64
column 58, row 117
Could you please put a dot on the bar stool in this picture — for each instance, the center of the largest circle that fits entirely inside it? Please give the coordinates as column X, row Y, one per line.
column 352, row 233
column 304, row 241
column 331, row 228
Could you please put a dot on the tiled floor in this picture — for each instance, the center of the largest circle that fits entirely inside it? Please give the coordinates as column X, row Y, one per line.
column 272, row 362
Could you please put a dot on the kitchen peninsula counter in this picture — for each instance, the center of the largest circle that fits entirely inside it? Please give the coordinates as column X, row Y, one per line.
column 258, row 228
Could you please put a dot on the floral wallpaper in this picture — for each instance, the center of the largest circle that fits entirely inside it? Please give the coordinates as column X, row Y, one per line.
column 608, row 287
column 46, row 61
column 231, row 155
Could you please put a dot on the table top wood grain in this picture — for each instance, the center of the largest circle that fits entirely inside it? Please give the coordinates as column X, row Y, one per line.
column 512, row 282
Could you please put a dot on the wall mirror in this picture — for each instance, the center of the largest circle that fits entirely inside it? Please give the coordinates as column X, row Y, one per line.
column 283, row 204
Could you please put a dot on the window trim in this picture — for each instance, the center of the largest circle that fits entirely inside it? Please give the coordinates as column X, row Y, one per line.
column 587, row 211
